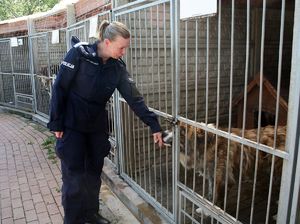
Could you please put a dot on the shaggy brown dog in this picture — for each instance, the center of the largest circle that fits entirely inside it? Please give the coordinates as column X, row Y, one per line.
column 192, row 151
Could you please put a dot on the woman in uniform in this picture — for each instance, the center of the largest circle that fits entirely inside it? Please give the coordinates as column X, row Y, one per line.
column 87, row 78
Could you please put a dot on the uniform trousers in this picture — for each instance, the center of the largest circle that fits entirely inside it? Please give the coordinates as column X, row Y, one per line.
column 82, row 157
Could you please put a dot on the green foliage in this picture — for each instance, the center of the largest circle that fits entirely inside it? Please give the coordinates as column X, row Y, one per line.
column 50, row 141
column 16, row 8
column 49, row 145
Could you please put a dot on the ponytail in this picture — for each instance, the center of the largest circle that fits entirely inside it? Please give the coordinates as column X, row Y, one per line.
column 111, row 30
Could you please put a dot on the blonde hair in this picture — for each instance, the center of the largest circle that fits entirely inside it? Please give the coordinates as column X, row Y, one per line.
column 111, row 30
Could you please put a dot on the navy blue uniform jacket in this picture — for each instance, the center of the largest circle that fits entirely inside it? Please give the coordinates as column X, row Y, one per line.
column 84, row 85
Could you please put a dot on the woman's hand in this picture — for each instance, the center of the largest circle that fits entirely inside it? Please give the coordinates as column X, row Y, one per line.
column 157, row 137
column 58, row 134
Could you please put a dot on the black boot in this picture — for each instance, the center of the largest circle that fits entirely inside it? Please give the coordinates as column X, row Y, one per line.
column 96, row 219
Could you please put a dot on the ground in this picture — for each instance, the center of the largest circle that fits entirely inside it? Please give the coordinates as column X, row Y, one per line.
column 30, row 177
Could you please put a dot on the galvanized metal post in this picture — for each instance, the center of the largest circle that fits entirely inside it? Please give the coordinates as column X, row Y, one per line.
column 119, row 157
column 175, row 52
column 12, row 73
column 288, row 201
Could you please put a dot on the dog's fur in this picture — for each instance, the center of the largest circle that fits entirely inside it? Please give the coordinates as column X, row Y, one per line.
column 188, row 152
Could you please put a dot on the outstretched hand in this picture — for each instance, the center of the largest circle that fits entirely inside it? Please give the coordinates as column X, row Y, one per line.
column 157, row 137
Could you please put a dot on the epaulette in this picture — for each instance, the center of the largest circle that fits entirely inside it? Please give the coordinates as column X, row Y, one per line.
column 79, row 44
column 122, row 62
column 85, row 49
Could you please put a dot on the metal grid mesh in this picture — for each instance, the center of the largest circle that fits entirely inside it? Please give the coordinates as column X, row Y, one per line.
column 5, row 56
column 23, row 84
column 235, row 163
column 143, row 162
column 7, row 89
column 148, row 60
column 20, row 55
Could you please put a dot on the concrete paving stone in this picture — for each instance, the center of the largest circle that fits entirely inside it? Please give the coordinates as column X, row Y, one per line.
column 6, row 213
column 26, row 195
column 56, row 219
column 40, row 207
column 43, row 218
column 56, row 191
column 37, row 198
column 45, row 190
column 35, row 189
column 17, row 202
column 33, row 222
column 28, row 205
column 18, row 213
column 24, row 188
column 53, row 184
column 4, row 185
column 31, row 215
column 20, row 221
column 15, row 194
column 22, row 179
column 6, row 202
column 7, row 221
column 48, row 198
column 4, row 193
column 52, row 209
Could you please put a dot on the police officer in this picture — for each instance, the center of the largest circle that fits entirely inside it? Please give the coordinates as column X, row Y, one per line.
column 87, row 78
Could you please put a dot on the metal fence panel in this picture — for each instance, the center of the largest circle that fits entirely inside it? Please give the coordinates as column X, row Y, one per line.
column 148, row 61
column 5, row 56
column 41, row 70
column 20, row 56
column 6, row 78
column 232, row 132
column 7, row 95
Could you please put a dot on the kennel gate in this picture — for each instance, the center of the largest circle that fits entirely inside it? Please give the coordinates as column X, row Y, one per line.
column 190, row 72
column 40, row 68
column 16, row 80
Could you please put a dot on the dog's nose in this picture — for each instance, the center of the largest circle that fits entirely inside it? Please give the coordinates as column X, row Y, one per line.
column 167, row 137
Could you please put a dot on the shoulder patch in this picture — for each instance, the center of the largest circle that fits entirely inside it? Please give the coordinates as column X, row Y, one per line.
column 67, row 64
column 86, row 50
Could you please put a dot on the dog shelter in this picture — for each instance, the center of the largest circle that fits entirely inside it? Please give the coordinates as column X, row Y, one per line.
column 236, row 65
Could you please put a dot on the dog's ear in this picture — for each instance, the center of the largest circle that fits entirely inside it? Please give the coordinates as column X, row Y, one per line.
column 201, row 136
column 200, row 133
column 211, row 137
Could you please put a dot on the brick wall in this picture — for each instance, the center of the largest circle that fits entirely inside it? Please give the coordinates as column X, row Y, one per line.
column 83, row 9
column 52, row 22
column 12, row 29
column 88, row 8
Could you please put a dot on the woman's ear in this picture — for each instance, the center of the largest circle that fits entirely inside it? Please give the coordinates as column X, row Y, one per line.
column 107, row 42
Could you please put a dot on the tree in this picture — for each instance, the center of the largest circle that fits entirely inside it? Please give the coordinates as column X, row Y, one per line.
column 15, row 8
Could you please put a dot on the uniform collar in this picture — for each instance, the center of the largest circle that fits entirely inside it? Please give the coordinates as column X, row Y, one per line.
column 109, row 62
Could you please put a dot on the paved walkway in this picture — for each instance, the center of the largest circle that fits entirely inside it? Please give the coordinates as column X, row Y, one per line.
column 30, row 177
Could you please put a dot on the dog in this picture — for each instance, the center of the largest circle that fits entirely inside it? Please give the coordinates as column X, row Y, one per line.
column 192, row 150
